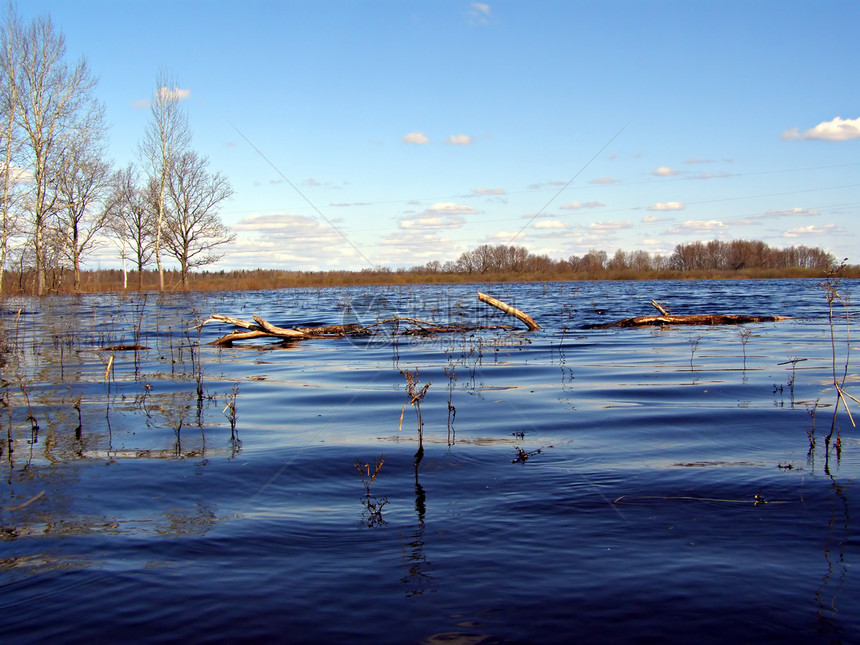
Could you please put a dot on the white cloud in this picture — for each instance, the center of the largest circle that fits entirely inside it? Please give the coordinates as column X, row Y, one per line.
column 428, row 221
column 805, row 231
column 285, row 225
column 504, row 237
column 665, row 171
column 414, row 247
column 791, row 212
column 572, row 206
column 459, row 140
column 606, row 227
column 602, row 180
column 450, row 208
column 550, row 223
column 173, row 94
column 418, row 138
column 697, row 226
column 480, row 13
column 667, row 206
column 488, row 191
column 289, row 240
column 838, row 129
column 650, row 219
column 548, row 184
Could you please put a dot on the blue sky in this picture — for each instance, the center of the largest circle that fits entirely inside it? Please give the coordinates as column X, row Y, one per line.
column 361, row 133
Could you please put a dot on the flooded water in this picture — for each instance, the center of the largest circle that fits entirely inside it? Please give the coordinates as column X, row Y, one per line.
column 594, row 485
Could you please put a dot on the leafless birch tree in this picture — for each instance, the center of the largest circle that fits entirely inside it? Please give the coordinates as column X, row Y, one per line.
column 82, row 208
column 166, row 138
column 10, row 136
column 56, row 111
column 132, row 220
column 193, row 228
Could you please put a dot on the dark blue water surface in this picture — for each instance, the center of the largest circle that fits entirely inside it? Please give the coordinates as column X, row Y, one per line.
column 595, row 485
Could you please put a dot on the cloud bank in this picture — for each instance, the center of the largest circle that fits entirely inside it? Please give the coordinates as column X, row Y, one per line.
column 417, row 138
column 450, row 208
column 459, row 140
column 838, row 129
column 699, row 226
column 667, row 206
column 429, row 222
column 665, row 171
column 573, row 206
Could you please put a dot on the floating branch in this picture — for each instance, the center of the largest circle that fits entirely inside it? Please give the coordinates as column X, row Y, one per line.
column 261, row 328
column 513, row 311
column 658, row 307
column 693, row 319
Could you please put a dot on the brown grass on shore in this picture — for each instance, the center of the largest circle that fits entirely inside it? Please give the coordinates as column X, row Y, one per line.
column 111, row 280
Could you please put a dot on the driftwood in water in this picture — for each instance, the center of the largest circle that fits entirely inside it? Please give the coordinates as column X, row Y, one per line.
column 694, row 319
column 658, row 307
column 665, row 318
column 261, row 328
column 513, row 311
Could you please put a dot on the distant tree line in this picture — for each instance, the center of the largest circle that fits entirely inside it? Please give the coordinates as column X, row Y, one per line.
column 61, row 198
column 713, row 256
column 742, row 254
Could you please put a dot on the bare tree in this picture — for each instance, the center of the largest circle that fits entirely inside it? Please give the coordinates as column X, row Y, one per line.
column 82, row 209
column 640, row 261
column 594, row 262
column 56, row 111
column 619, row 261
column 193, row 230
column 166, row 139
column 132, row 220
column 10, row 135
column 746, row 254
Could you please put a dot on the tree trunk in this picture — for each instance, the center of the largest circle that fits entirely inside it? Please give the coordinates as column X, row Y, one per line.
column 40, row 261
column 158, row 242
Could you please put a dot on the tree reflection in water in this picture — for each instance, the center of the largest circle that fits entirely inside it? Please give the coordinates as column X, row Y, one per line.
column 418, row 578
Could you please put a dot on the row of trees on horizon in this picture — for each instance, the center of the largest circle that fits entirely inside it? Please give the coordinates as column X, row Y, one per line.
column 496, row 263
column 715, row 255
column 61, row 197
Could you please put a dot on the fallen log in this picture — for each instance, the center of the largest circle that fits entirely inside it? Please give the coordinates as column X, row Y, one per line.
column 693, row 319
column 262, row 328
